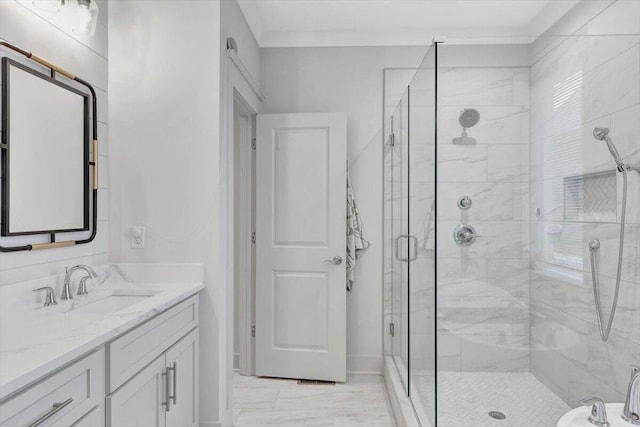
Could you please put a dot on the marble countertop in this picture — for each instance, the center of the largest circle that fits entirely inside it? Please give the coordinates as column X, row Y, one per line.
column 36, row 340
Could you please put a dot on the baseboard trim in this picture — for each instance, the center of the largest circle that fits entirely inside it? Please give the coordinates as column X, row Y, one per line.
column 357, row 364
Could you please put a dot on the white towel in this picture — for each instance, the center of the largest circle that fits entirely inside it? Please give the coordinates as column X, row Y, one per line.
column 356, row 237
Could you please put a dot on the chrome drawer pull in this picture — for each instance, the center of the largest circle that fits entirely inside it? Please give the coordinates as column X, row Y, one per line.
column 174, row 368
column 57, row 407
column 167, row 403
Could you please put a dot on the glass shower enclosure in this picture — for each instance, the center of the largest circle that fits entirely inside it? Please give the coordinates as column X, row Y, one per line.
column 495, row 188
column 410, row 230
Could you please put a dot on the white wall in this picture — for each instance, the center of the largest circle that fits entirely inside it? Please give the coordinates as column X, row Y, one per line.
column 50, row 35
column 165, row 109
column 349, row 80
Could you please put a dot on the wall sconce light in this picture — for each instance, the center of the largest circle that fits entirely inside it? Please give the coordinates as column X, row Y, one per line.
column 86, row 15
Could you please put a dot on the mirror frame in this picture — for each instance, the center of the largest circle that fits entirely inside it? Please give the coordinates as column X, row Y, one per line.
column 5, row 230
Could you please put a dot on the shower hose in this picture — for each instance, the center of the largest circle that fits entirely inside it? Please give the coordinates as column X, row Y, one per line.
column 604, row 332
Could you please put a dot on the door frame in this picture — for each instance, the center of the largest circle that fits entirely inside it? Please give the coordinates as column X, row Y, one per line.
column 245, row 216
column 237, row 80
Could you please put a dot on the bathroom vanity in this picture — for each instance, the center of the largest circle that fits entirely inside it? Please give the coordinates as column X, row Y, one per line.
column 125, row 354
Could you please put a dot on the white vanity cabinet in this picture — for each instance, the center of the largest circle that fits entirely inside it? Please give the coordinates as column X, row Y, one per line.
column 139, row 402
column 164, row 394
column 72, row 396
column 182, row 358
column 145, row 377
column 152, row 371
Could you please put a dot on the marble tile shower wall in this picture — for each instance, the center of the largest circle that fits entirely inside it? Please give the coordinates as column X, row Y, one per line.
column 483, row 289
column 585, row 82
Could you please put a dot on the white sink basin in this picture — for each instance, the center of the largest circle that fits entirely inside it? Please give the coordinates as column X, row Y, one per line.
column 579, row 417
column 112, row 302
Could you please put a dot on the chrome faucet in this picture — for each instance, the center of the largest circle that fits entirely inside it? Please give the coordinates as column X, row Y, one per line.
column 631, row 412
column 82, row 288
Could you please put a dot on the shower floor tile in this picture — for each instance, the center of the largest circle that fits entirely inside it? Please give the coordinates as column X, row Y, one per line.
column 466, row 398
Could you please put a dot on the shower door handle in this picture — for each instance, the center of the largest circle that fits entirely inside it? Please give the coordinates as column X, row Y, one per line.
column 415, row 248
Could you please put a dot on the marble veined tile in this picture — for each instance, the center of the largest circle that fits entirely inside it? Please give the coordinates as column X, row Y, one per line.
column 476, row 86
column 612, row 86
column 508, row 163
column 494, row 353
column 462, row 277
column 481, row 316
column 361, row 401
column 462, row 163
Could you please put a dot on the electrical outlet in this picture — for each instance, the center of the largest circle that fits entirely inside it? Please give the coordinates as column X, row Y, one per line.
column 137, row 237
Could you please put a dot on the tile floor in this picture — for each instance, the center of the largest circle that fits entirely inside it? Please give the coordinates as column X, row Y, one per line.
column 361, row 401
column 465, row 399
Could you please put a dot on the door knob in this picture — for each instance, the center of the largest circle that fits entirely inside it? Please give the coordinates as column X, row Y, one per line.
column 337, row 260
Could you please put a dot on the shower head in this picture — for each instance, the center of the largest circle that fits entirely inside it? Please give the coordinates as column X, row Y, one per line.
column 469, row 117
column 602, row 134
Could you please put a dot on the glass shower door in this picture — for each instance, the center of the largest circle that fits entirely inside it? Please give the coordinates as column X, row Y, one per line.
column 422, row 228
column 409, row 168
column 397, row 215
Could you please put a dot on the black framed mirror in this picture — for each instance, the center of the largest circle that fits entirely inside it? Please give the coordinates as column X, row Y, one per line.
column 45, row 155
column 49, row 163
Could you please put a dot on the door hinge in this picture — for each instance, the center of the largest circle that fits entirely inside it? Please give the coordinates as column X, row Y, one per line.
column 253, row 143
column 392, row 329
column 253, row 237
column 253, row 331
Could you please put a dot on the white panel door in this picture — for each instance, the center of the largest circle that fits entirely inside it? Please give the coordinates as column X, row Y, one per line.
column 300, row 230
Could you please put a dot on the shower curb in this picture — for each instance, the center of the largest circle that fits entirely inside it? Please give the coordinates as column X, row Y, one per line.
column 400, row 404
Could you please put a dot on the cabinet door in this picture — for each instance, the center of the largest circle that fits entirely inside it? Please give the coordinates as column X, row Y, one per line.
column 93, row 418
column 182, row 374
column 139, row 403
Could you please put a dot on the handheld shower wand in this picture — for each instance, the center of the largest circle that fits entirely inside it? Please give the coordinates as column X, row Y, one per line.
column 602, row 134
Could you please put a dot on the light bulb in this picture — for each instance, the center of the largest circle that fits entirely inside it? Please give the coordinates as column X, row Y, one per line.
column 87, row 17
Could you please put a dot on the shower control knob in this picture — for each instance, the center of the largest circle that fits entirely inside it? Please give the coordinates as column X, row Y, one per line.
column 464, row 202
column 465, row 235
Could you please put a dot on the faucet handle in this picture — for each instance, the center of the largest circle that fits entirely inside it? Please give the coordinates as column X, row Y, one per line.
column 50, row 298
column 598, row 411
column 82, row 286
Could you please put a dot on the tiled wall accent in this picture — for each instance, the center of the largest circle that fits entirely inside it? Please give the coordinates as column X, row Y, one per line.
column 587, row 80
column 50, row 36
column 483, row 297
